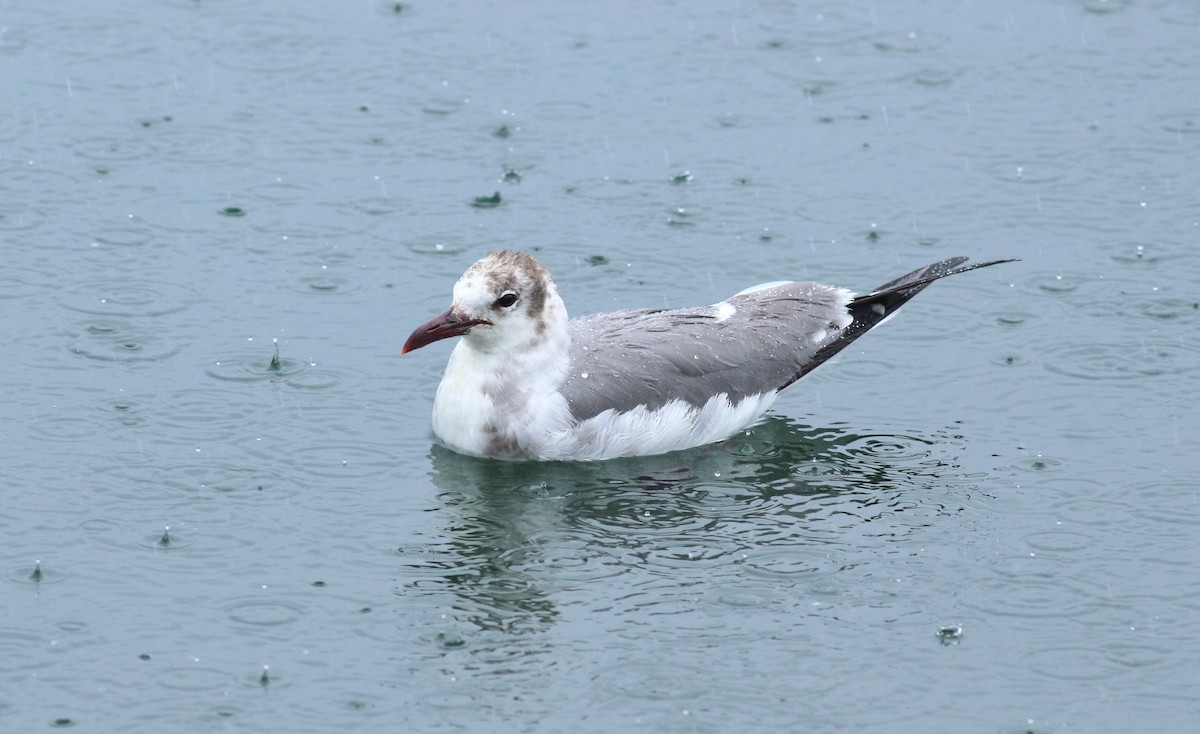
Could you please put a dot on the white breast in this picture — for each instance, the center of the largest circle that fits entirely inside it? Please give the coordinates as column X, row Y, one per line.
column 490, row 405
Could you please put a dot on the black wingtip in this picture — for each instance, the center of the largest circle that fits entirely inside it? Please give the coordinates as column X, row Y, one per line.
column 870, row 309
column 922, row 277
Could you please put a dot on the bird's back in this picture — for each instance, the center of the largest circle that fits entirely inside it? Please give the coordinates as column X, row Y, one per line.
column 748, row 345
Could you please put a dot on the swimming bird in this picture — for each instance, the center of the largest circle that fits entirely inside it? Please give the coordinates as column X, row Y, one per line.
column 525, row 382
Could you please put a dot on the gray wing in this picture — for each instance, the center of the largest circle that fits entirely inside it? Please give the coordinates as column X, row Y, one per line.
column 776, row 335
column 650, row 357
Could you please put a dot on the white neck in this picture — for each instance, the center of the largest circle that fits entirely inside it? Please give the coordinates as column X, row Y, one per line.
column 490, row 394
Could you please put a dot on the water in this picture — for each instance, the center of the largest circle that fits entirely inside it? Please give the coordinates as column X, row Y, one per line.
column 985, row 517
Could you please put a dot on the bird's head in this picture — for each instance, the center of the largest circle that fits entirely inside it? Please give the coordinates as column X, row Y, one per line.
column 506, row 301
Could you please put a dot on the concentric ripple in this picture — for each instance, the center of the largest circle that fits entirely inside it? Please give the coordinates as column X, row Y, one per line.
column 255, row 368
column 130, row 299
column 120, row 340
column 1121, row 361
column 654, row 680
column 263, row 613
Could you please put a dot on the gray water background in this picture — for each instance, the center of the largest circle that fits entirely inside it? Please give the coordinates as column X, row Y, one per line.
column 186, row 186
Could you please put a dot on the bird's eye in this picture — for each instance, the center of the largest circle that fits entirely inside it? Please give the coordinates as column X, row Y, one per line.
column 507, row 299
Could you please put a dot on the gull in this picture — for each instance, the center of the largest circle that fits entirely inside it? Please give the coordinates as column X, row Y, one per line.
column 527, row 383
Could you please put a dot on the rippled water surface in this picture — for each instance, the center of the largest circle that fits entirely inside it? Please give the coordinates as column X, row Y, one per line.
column 223, row 508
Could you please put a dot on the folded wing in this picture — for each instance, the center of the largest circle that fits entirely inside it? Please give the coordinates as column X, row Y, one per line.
column 759, row 341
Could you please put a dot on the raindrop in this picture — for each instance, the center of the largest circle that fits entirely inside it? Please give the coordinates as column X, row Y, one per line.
column 950, row 634
column 486, row 202
column 36, row 576
column 450, row 640
column 165, row 540
column 265, row 678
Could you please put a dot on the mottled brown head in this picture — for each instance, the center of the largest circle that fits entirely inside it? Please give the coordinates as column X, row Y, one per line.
column 516, row 272
column 503, row 301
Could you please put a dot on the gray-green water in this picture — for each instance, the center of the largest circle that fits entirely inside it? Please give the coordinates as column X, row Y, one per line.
column 186, row 184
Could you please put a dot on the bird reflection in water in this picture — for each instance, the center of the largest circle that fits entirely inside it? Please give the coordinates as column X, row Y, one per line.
column 519, row 536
